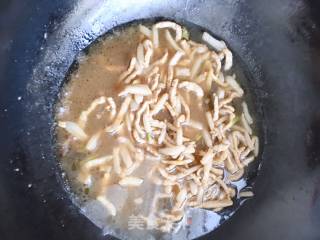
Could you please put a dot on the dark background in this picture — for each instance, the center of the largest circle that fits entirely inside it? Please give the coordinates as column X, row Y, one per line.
column 278, row 40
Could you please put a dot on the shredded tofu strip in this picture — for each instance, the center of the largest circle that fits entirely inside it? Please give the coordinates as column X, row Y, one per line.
column 137, row 89
column 96, row 162
column 131, row 182
column 74, row 129
column 146, row 31
column 119, row 118
column 193, row 87
column 173, row 26
column 85, row 114
column 213, row 42
column 93, row 142
column 108, row 205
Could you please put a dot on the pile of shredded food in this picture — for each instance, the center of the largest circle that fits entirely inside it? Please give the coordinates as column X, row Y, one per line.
column 182, row 109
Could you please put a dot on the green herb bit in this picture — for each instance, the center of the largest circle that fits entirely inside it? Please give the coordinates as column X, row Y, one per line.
column 198, row 137
column 149, row 137
column 235, row 120
column 185, row 33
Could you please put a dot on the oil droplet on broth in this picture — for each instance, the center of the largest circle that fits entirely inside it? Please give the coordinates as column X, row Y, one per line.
column 95, row 73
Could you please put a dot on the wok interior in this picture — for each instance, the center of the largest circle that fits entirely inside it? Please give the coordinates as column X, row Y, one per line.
column 278, row 41
column 76, row 97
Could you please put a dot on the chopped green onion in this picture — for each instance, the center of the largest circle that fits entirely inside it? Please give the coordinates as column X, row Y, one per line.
column 198, row 137
column 73, row 167
column 185, row 33
column 235, row 120
column 149, row 137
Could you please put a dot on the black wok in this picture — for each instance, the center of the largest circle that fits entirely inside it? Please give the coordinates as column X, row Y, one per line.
column 278, row 42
